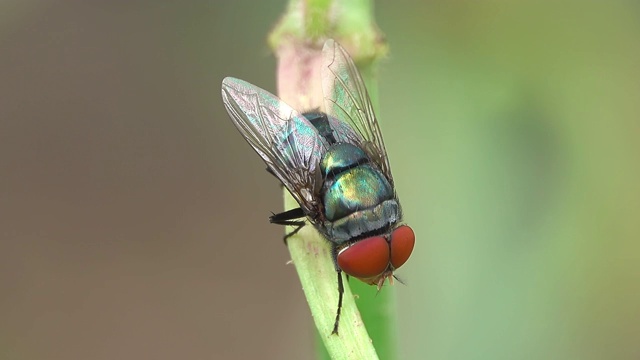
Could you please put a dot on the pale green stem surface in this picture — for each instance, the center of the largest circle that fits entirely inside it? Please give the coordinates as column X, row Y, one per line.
column 297, row 41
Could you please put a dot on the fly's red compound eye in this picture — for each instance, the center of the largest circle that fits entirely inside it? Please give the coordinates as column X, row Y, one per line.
column 366, row 258
column 402, row 241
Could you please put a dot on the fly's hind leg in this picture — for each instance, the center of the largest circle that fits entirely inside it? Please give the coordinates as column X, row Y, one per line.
column 274, row 175
column 293, row 217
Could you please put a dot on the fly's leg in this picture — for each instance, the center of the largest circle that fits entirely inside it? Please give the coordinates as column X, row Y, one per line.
column 340, row 293
column 334, row 257
column 274, row 175
column 271, row 172
column 290, row 217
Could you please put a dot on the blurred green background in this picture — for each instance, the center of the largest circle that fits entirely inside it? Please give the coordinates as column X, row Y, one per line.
column 133, row 218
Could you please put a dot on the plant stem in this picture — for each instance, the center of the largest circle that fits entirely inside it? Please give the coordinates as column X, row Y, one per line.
column 297, row 41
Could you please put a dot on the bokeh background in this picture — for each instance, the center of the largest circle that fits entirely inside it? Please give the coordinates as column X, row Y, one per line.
column 133, row 218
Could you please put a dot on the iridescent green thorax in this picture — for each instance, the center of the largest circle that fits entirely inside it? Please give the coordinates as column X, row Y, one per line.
column 356, row 195
column 358, row 188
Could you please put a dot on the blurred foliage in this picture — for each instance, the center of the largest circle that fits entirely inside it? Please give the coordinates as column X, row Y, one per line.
column 512, row 130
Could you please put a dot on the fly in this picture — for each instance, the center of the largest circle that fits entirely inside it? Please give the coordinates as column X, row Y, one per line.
column 334, row 164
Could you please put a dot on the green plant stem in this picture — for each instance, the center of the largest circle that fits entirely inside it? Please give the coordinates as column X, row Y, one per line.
column 297, row 41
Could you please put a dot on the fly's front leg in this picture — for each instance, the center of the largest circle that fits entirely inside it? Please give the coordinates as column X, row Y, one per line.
column 334, row 257
column 293, row 217
column 340, row 294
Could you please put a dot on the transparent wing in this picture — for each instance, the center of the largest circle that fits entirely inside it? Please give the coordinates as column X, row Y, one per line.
column 287, row 142
column 346, row 98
